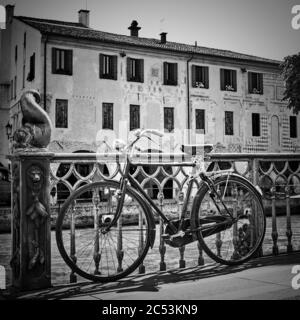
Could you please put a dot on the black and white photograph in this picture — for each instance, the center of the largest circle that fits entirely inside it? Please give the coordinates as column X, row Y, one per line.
column 149, row 153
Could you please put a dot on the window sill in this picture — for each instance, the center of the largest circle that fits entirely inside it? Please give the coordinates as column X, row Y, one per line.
column 62, row 73
column 135, row 80
column 107, row 77
column 170, row 84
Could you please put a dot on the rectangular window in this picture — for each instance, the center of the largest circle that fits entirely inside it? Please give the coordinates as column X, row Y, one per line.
column 255, row 83
column 169, row 119
column 229, row 123
column 62, row 61
column 200, row 77
column 108, row 67
column 23, row 76
column 16, row 54
column 255, row 124
column 31, row 73
column 134, row 121
column 24, row 40
column 15, row 87
column 61, row 113
column 200, row 120
column 170, row 74
column 228, row 80
column 107, row 116
column 293, row 127
column 11, row 89
column 135, row 70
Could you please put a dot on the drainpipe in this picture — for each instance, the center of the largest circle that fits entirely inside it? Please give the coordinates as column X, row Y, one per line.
column 45, row 72
column 188, row 95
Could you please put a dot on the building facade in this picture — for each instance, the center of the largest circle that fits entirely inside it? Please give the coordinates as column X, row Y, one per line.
column 94, row 83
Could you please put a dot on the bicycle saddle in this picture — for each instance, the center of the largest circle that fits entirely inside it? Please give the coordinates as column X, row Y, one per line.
column 194, row 149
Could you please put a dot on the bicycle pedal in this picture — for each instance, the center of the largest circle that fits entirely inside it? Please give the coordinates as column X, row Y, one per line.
column 165, row 236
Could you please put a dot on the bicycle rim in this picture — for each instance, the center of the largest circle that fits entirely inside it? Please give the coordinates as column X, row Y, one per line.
column 92, row 253
column 238, row 241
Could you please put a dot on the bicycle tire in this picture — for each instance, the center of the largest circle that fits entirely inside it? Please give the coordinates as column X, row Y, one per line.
column 243, row 236
column 139, row 251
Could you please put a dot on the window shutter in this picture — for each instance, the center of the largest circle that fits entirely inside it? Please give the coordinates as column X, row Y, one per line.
column 222, row 79
column 193, row 76
column 101, row 57
column 115, row 67
column 165, row 72
column 234, row 80
column 206, row 78
column 33, row 65
column 141, row 69
column 175, row 74
column 250, row 87
column 53, row 60
column 69, row 61
column 129, row 62
column 261, row 83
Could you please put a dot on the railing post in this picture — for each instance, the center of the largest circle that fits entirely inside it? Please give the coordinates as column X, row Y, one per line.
column 142, row 268
column 31, row 237
column 73, row 277
column 162, row 247
column 274, row 224
column 289, row 232
column 182, row 248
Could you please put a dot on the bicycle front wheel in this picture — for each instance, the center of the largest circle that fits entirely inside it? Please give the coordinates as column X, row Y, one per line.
column 230, row 222
column 84, row 242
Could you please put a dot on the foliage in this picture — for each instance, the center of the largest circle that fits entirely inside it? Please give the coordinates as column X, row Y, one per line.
column 291, row 72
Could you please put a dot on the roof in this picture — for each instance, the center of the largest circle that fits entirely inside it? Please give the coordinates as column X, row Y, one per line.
column 79, row 31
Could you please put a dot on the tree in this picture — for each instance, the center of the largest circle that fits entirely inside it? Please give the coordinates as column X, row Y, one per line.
column 291, row 73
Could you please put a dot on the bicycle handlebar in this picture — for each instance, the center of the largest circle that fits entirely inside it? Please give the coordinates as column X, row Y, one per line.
column 141, row 133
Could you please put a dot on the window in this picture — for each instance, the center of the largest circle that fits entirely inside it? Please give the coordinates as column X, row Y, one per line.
column 31, row 73
column 61, row 113
column 200, row 120
column 108, row 67
column 135, row 70
column 229, row 123
column 255, row 124
column 169, row 119
column 293, row 127
column 228, row 80
column 15, row 87
column 134, row 121
column 11, row 89
column 200, row 77
column 62, row 61
column 24, row 40
column 16, row 54
column 255, row 82
column 170, row 74
column 107, row 116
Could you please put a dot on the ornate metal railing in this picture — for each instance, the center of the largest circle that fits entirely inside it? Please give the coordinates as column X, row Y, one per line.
column 165, row 178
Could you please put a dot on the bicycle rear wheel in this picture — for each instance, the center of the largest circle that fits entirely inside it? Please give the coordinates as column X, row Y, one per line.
column 224, row 240
column 84, row 245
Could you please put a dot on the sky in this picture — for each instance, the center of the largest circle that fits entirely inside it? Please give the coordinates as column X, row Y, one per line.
column 257, row 27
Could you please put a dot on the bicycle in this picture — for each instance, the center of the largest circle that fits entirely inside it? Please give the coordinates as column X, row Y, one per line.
column 226, row 217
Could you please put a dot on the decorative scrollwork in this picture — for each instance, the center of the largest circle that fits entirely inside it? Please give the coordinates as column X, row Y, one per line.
column 37, row 214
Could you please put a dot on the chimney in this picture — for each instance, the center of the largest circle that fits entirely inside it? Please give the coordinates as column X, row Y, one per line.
column 134, row 29
column 9, row 13
column 163, row 37
column 84, row 17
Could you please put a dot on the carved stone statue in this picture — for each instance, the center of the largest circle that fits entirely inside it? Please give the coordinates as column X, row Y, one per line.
column 36, row 124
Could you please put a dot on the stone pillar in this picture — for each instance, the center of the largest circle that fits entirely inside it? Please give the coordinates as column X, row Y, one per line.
column 31, row 242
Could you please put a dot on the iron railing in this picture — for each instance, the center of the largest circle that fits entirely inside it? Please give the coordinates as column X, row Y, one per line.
column 165, row 177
